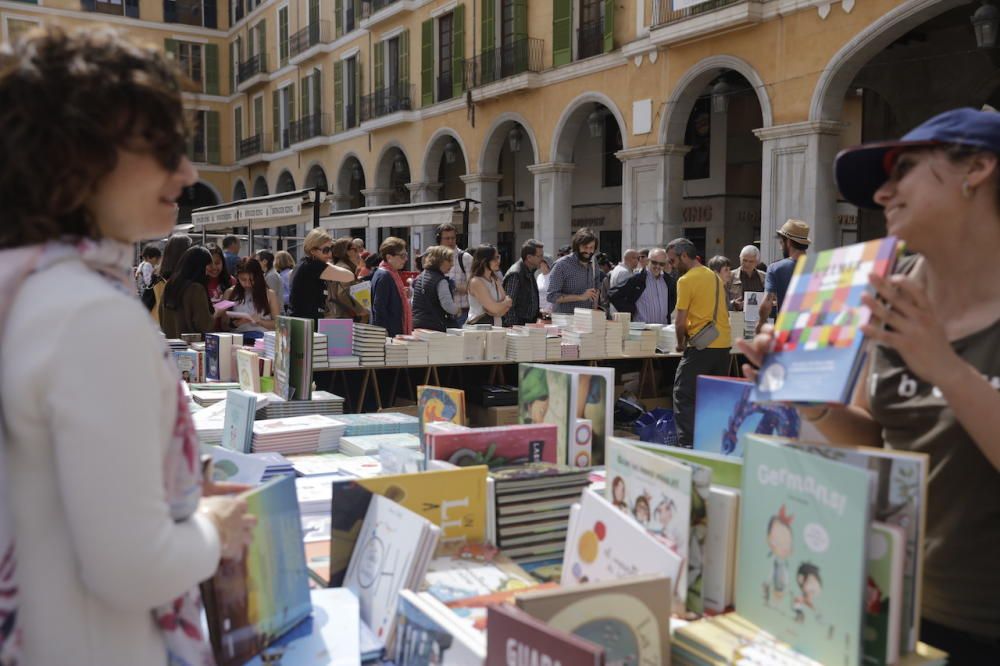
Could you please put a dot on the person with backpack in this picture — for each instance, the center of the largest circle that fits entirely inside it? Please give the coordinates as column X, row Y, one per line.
column 461, row 268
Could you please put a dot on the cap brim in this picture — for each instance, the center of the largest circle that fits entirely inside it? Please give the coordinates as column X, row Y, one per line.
column 861, row 170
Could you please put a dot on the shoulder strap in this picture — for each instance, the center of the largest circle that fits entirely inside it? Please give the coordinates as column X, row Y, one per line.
column 718, row 281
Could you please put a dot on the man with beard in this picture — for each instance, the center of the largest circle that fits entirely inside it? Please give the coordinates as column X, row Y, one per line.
column 573, row 282
column 794, row 239
column 701, row 300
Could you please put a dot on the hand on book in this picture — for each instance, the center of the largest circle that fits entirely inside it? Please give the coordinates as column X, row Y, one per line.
column 235, row 526
column 755, row 350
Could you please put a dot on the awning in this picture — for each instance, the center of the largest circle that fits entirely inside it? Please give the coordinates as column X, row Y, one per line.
column 261, row 212
column 405, row 215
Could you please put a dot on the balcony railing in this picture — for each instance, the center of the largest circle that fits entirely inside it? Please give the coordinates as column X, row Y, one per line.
column 382, row 102
column 664, row 14
column 590, row 39
column 309, row 127
column 308, row 37
column 445, row 87
column 369, row 7
column 250, row 146
column 350, row 116
column 282, row 140
column 251, row 68
column 516, row 57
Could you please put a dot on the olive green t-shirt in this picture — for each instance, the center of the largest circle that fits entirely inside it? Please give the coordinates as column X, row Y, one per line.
column 962, row 547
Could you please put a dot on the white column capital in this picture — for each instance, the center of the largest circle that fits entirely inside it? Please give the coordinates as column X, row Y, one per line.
column 808, row 128
column 551, row 167
column 420, row 187
column 658, row 150
column 476, row 178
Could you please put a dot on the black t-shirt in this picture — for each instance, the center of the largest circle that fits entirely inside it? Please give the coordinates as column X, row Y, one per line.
column 308, row 292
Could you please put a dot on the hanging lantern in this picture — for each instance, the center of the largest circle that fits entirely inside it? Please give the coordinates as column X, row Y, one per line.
column 451, row 152
column 595, row 122
column 986, row 22
column 514, row 139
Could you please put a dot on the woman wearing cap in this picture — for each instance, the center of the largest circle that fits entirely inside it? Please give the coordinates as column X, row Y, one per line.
column 934, row 374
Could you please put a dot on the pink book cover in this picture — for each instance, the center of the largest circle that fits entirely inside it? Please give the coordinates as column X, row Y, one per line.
column 496, row 447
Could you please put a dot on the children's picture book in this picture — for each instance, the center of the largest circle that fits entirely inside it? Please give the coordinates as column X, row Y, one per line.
column 495, row 447
column 803, row 561
column 723, row 411
column 656, row 492
column 248, row 370
column 300, row 352
column 362, row 293
column 394, row 547
column 516, row 637
column 428, row 634
column 454, row 499
column 283, row 357
column 253, row 601
column 190, row 364
column 883, row 594
column 726, row 470
column 339, row 336
column 604, row 543
column 818, row 347
column 628, row 616
column 237, row 433
column 236, row 467
column 438, row 403
column 218, row 357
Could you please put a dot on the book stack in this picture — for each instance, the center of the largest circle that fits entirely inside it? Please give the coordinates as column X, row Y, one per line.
column 210, row 422
column 569, row 351
column 417, row 350
column 590, row 345
column 368, row 445
column 614, row 338
column 590, row 321
column 632, row 347
column 473, row 343
column 349, row 361
column 176, row 344
column 339, row 336
column 386, row 423
column 645, row 336
column 265, row 345
column 320, row 351
column 533, row 506
column 369, row 344
column 496, row 447
column 297, row 434
column 277, row 465
column 496, row 344
column 209, row 397
column 730, row 639
column 442, row 349
column 625, row 317
column 519, row 346
column 553, row 347
column 396, row 353
column 667, row 339
column 563, row 321
column 323, row 402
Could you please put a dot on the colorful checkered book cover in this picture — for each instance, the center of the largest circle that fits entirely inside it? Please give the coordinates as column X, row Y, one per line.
column 818, row 345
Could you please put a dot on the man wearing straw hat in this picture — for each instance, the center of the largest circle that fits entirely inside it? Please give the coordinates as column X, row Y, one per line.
column 794, row 239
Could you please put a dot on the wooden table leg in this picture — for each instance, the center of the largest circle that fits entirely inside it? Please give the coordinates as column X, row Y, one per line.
column 378, row 392
column 365, row 374
column 437, row 377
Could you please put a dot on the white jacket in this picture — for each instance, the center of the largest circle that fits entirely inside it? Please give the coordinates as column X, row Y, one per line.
column 89, row 407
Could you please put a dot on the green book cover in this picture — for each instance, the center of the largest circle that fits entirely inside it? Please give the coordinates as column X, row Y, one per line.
column 803, row 550
column 886, row 547
column 726, row 470
column 300, row 351
column 282, row 357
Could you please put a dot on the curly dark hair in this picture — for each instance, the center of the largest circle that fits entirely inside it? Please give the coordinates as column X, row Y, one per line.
column 69, row 101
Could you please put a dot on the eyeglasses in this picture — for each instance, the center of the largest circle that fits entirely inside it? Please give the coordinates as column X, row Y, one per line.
column 326, row 250
column 661, row 264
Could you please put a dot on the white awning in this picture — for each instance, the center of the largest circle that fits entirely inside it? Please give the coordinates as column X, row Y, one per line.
column 405, row 215
column 261, row 213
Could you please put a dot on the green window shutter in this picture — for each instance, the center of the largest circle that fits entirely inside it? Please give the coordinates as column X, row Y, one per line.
column 338, row 16
column 212, row 125
column 212, row 69
column 379, row 74
column 172, row 48
column 427, row 63
column 357, row 12
column 291, row 103
column 404, row 58
column 357, row 86
column 338, row 97
column 276, row 119
column 304, row 96
column 232, row 68
column 489, row 24
column 317, row 92
column 238, row 126
column 562, row 32
column 282, row 36
column 520, row 19
column 458, row 51
column 609, row 26
column 262, row 43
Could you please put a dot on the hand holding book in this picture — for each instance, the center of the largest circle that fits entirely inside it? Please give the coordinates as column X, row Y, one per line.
column 235, row 526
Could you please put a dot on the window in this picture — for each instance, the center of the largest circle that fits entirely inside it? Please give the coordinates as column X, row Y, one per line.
column 128, row 8
column 258, row 115
column 351, row 92
column 238, row 125
column 283, row 36
column 199, row 63
column 189, row 59
column 347, row 13
column 197, row 142
column 284, row 110
column 581, row 29
column 445, row 54
column 202, row 13
column 236, row 11
column 442, row 57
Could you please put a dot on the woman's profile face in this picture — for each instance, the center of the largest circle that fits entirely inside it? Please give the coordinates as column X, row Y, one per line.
column 138, row 199
column 214, row 269
column 246, row 281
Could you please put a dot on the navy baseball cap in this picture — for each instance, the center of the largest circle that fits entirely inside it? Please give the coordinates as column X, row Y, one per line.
column 861, row 170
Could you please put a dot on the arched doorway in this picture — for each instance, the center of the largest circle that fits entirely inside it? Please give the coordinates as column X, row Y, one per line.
column 286, row 183
column 316, row 177
column 198, row 195
column 260, row 188
column 445, row 163
column 716, row 184
column 350, row 184
column 392, row 173
column 586, row 141
column 506, row 187
column 239, row 191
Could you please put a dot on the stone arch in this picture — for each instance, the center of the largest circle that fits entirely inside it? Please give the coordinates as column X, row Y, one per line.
column 204, row 185
column 573, row 117
column 316, row 175
column 239, row 190
column 196, row 196
column 435, row 149
column 260, row 188
column 497, row 134
column 345, row 175
column 831, row 88
column 678, row 107
column 384, row 165
column 285, row 182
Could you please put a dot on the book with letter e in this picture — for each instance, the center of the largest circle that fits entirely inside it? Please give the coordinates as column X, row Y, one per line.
column 818, row 348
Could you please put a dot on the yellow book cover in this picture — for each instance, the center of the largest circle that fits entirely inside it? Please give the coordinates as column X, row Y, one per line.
column 439, row 403
column 362, row 293
column 453, row 499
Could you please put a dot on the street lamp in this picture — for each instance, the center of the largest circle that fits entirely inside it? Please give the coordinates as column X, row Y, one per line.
column 986, row 21
column 514, row 139
column 450, row 152
column 356, row 172
column 720, row 95
column 595, row 123
column 399, row 165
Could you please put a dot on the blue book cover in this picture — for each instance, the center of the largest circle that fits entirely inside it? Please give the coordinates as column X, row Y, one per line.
column 237, row 430
column 803, row 550
column 818, row 347
column 212, row 356
column 723, row 411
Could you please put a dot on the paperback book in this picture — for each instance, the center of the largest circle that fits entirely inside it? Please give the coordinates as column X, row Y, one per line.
column 237, row 433
column 724, row 411
column 494, row 447
column 516, row 637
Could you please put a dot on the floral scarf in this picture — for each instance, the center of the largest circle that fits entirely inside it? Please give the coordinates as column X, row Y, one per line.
column 180, row 620
column 407, row 310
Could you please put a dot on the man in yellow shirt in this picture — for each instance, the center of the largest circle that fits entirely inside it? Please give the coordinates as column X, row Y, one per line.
column 701, row 300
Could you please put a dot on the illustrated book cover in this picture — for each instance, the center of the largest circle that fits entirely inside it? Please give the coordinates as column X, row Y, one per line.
column 723, row 411
column 516, row 637
column 495, row 447
column 439, row 403
column 237, row 433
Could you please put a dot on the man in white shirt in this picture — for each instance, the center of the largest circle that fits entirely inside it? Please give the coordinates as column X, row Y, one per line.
column 144, row 273
column 461, row 268
column 625, row 268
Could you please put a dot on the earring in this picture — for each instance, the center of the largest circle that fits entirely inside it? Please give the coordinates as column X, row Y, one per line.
column 967, row 190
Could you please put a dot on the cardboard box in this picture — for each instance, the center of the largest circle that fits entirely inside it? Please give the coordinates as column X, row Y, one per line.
column 482, row 417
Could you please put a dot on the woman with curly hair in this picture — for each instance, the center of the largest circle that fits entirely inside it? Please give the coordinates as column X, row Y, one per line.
column 108, row 533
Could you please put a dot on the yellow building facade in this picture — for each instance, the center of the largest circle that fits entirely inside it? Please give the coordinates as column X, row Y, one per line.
column 644, row 120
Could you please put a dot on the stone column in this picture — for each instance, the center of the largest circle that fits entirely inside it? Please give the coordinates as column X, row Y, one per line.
column 341, row 201
column 798, row 182
column 652, row 189
column 424, row 192
column 377, row 196
column 553, row 203
column 484, row 217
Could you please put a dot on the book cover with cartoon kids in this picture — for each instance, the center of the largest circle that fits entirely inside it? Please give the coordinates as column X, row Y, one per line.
column 803, row 550
column 656, row 492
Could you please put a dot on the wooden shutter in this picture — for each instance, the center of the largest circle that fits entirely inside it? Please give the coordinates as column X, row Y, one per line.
column 520, row 19
column 212, row 69
column 427, row 62
column 262, row 43
column 379, row 64
column 318, row 92
column 276, row 120
column 338, row 16
column 291, row 104
column 238, row 128
column 562, row 32
column 404, row 61
column 458, row 51
column 357, row 88
column 232, row 67
column 609, row 26
column 304, row 96
column 338, row 96
column 282, row 36
column 489, row 25
column 210, row 14
column 212, row 125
